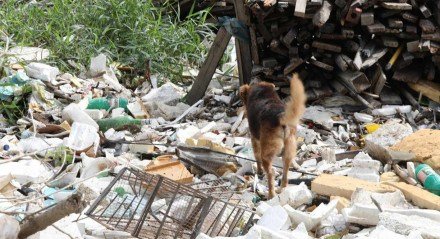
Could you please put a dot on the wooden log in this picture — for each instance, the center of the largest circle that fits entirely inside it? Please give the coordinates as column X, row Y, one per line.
column 396, row 6
column 408, row 74
column 377, row 27
column 290, row 36
column 254, row 46
column 36, row 223
column 395, row 23
column 343, row 62
column 379, row 80
column 427, row 26
column 355, row 80
column 208, row 68
column 326, row 46
column 321, row 65
column 410, row 17
column 367, row 18
column 294, row 63
column 244, row 58
column 353, row 15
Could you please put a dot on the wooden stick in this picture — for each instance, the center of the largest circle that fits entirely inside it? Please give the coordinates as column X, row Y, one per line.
column 34, row 224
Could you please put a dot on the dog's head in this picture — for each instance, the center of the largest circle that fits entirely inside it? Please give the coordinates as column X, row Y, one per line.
column 261, row 87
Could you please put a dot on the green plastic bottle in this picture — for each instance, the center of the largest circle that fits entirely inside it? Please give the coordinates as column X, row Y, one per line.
column 429, row 178
column 107, row 103
column 120, row 121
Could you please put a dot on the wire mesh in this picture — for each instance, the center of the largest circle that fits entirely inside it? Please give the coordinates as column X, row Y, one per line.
column 151, row 206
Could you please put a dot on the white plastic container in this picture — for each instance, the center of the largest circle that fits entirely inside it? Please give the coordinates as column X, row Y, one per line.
column 74, row 113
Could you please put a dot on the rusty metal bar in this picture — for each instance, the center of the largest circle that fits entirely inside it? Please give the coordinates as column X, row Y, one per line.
column 168, row 210
column 203, row 214
column 147, row 208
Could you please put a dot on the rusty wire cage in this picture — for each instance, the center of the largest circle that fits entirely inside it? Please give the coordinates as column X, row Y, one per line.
column 151, row 206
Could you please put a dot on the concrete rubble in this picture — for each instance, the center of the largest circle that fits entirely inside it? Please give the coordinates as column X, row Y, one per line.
column 357, row 177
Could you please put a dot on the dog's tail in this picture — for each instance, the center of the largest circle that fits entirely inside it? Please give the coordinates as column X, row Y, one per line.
column 295, row 106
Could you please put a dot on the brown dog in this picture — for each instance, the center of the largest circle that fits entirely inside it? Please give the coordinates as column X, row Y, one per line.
column 273, row 125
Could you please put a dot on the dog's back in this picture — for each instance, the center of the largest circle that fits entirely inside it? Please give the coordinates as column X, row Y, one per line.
column 264, row 107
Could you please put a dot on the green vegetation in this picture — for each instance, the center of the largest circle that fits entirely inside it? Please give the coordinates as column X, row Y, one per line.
column 130, row 32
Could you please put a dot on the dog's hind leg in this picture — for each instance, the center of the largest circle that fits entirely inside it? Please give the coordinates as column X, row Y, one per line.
column 257, row 154
column 289, row 154
column 271, row 146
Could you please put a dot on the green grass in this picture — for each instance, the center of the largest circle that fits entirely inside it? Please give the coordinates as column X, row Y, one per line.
column 129, row 32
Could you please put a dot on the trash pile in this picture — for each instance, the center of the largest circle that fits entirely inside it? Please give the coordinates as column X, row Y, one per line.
column 82, row 156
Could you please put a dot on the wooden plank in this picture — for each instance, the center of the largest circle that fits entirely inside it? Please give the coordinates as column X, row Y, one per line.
column 244, row 57
column 208, row 68
column 427, row 88
column 254, row 46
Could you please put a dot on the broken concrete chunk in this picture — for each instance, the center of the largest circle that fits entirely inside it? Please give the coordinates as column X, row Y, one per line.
column 364, row 211
column 383, row 232
column 275, row 218
column 168, row 112
column 311, row 220
column 295, row 196
column 404, row 225
column 42, row 71
column 168, row 93
column 98, row 65
column 364, row 167
column 309, row 135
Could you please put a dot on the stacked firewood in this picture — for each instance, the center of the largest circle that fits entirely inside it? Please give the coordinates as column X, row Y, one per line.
column 347, row 46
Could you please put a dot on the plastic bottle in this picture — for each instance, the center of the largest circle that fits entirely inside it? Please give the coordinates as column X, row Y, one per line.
column 120, row 121
column 107, row 103
column 429, row 178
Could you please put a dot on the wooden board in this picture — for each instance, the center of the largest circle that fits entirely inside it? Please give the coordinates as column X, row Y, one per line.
column 244, row 58
column 208, row 68
column 427, row 88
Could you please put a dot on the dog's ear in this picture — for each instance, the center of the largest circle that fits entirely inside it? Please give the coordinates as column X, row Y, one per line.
column 244, row 91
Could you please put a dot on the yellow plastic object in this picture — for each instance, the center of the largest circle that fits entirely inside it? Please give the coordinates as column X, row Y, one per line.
column 372, row 127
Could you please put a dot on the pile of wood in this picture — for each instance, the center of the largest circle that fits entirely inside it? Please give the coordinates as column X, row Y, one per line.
column 346, row 46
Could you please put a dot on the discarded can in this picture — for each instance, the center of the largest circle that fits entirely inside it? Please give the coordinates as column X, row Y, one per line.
column 107, row 103
column 429, row 178
column 120, row 121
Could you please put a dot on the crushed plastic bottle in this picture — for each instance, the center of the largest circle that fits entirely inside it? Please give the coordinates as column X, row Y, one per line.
column 107, row 103
column 120, row 121
column 429, row 178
